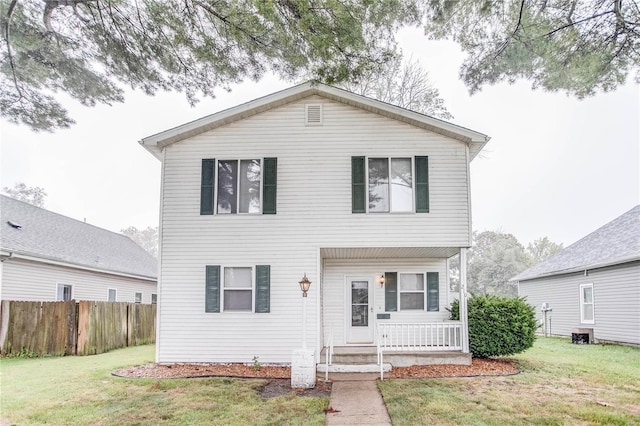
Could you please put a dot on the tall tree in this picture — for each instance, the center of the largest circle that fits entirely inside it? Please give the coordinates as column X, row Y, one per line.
column 541, row 249
column 402, row 83
column 29, row 194
column 579, row 46
column 495, row 258
column 88, row 49
column 146, row 238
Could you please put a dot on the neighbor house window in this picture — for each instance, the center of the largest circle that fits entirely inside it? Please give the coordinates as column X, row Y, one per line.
column 390, row 184
column 586, row 304
column 237, row 289
column 138, row 298
column 154, row 299
column 412, row 291
column 238, row 186
column 112, row 295
column 64, row 292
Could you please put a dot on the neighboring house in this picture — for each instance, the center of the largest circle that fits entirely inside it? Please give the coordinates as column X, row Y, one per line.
column 49, row 257
column 592, row 284
column 311, row 180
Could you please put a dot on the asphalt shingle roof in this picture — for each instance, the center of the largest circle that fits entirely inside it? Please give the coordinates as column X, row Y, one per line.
column 616, row 242
column 48, row 235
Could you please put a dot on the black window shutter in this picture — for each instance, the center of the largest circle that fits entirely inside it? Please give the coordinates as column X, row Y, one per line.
column 212, row 289
column 358, row 187
column 422, row 184
column 433, row 291
column 207, row 186
column 263, row 288
column 391, row 291
column 269, row 185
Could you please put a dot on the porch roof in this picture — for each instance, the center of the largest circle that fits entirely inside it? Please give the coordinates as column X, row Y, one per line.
column 388, row 252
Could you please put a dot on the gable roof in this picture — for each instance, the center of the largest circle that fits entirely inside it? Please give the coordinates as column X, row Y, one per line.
column 52, row 237
column 616, row 242
column 155, row 143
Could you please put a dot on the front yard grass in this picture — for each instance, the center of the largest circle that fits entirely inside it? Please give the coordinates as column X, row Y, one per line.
column 560, row 384
column 81, row 390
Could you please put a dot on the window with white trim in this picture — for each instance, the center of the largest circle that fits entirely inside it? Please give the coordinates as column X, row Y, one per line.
column 238, row 289
column 112, row 295
column 411, row 289
column 154, row 299
column 138, row 298
column 586, row 304
column 239, row 183
column 390, row 185
column 64, row 292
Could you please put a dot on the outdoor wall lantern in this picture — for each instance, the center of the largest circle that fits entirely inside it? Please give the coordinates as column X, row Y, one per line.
column 304, row 285
column 380, row 279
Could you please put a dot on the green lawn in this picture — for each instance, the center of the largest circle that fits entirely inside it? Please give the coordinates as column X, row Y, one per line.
column 560, row 384
column 81, row 390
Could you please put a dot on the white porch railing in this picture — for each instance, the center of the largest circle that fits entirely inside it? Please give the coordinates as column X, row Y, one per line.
column 411, row 337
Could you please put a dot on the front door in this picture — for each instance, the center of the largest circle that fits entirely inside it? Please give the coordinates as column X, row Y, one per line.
column 359, row 311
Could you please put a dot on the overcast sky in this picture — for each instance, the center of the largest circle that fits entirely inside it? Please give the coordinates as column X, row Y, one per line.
column 555, row 166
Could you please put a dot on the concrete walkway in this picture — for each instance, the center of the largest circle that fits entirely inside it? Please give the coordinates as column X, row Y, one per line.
column 357, row 401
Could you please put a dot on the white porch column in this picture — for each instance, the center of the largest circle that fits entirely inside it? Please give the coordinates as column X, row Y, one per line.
column 464, row 317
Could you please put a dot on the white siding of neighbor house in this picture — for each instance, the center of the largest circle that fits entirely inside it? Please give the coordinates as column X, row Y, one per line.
column 313, row 211
column 334, row 300
column 29, row 280
column 616, row 296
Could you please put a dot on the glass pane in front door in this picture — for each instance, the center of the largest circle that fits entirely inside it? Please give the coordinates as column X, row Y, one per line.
column 359, row 303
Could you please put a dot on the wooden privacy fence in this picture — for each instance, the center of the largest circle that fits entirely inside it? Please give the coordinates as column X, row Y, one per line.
column 74, row 328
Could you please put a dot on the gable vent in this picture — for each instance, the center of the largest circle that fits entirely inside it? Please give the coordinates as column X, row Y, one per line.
column 313, row 113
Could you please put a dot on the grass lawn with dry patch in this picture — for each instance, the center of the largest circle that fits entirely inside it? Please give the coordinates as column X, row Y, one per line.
column 81, row 390
column 560, row 384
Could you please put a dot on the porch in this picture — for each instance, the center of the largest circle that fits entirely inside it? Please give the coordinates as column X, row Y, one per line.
column 400, row 345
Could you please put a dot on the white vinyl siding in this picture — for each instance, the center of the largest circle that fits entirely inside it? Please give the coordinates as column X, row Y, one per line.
column 37, row 281
column 616, row 295
column 314, row 210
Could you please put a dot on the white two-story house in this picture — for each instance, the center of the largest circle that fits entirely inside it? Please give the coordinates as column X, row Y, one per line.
column 367, row 199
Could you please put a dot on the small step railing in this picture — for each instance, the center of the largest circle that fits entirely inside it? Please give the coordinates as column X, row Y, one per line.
column 328, row 354
column 415, row 337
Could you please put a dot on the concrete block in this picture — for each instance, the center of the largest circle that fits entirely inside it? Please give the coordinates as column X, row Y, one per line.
column 303, row 369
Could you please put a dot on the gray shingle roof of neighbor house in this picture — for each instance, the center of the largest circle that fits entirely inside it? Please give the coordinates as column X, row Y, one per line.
column 155, row 143
column 616, row 242
column 31, row 231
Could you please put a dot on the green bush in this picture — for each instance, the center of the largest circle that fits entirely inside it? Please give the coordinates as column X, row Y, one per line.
column 498, row 325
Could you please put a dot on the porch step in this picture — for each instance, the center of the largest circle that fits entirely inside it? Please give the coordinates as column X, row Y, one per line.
column 367, row 355
column 353, row 368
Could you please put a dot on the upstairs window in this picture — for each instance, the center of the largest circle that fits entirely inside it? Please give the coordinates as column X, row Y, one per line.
column 239, row 186
column 112, row 295
column 390, row 184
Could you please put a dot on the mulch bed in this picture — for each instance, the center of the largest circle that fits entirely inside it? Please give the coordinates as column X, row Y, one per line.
column 479, row 367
